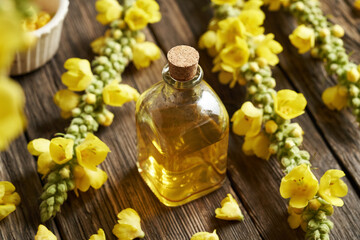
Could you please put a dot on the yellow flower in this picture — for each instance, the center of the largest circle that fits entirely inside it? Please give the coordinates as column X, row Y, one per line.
column 9, row 199
column 275, row 5
column 229, row 30
column 235, row 55
column 44, row 234
column 334, row 98
column 91, row 152
column 97, row 44
column 258, row 145
column 45, row 163
column 61, row 149
column 12, row 118
column 357, row 4
column 252, row 20
column 288, row 104
column 85, row 177
column 229, row 210
column 79, row 75
column 205, row 236
column 144, row 53
column 268, row 48
column 253, row 4
column 151, row 8
column 271, row 127
column 247, row 120
column 128, row 226
column 207, row 40
column 353, row 75
column 136, row 18
column 294, row 218
column 303, row 38
column 66, row 100
column 116, row 94
column 38, row 146
column 300, row 185
column 109, row 10
column 99, row 236
column 332, row 188
column 221, row 2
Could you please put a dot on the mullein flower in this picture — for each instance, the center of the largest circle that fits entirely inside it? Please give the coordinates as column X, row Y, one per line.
column 288, row 104
column 257, row 145
column 276, row 4
column 66, row 100
column 303, row 38
column 144, row 53
column 44, row 234
column 41, row 147
column 253, row 20
column 128, row 226
column 335, row 97
column 357, row 4
column 79, row 75
column 332, row 188
column 247, row 120
column 9, row 199
column 85, row 178
column 267, row 48
column 61, row 150
column 221, row 2
column 205, row 236
column 109, row 10
column 228, row 31
column 136, row 18
column 99, row 236
column 116, row 94
column 229, row 210
column 151, row 8
column 300, row 185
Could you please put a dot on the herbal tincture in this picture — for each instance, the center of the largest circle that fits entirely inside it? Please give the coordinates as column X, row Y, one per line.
column 182, row 132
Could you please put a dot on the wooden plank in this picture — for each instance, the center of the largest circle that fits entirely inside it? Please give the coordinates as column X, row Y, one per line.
column 18, row 167
column 339, row 129
column 256, row 181
column 81, row 217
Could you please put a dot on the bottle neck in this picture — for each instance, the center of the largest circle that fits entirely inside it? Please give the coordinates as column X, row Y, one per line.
column 182, row 84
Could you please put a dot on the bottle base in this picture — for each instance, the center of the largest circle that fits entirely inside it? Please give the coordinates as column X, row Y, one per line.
column 172, row 203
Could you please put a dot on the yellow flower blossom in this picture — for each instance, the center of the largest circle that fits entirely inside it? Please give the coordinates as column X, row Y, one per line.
column 288, row 104
column 61, row 149
column 136, row 18
column 205, row 236
column 300, row 185
column 97, row 44
column 303, row 38
column 247, row 120
column 229, row 210
column 79, row 75
column 207, row 40
column 85, row 177
column 268, row 48
column 128, row 226
column 109, row 10
column 334, row 98
column 44, row 234
column 116, row 94
column 353, row 75
column 9, row 199
column 275, row 5
column 295, row 218
column 144, row 53
column 151, row 8
column 271, row 127
column 222, row 2
column 99, row 236
column 252, row 20
column 235, row 55
column 12, row 118
column 45, row 163
column 357, row 4
column 229, row 30
column 91, row 152
column 253, row 4
column 257, row 145
column 66, row 100
column 332, row 187
column 38, row 146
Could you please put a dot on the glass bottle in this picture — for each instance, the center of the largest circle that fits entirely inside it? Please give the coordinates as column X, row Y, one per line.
column 182, row 132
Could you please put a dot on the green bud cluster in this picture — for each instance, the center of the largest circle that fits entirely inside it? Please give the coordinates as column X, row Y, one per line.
column 329, row 47
column 115, row 55
column 59, row 182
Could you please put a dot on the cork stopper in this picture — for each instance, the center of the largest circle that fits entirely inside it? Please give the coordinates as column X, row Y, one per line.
column 183, row 62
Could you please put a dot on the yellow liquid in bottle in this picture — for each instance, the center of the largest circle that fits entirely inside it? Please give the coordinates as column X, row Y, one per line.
column 182, row 153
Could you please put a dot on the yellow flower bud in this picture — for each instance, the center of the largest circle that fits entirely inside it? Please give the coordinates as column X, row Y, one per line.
column 261, row 61
column 314, row 204
column 66, row 100
column 229, row 210
column 97, row 44
column 353, row 75
column 61, row 149
column 109, row 10
column 337, row 31
column 140, row 37
column 109, row 117
column 90, row 98
column 79, row 75
column 324, row 32
column 45, row 163
column 271, row 126
column 116, row 94
column 128, row 226
column 254, row 67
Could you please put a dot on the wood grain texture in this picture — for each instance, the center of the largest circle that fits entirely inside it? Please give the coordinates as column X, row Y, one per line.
column 331, row 138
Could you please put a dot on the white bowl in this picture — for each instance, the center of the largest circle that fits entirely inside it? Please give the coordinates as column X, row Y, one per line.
column 48, row 38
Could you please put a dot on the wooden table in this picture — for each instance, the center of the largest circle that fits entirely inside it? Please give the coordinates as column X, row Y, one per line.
column 332, row 138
